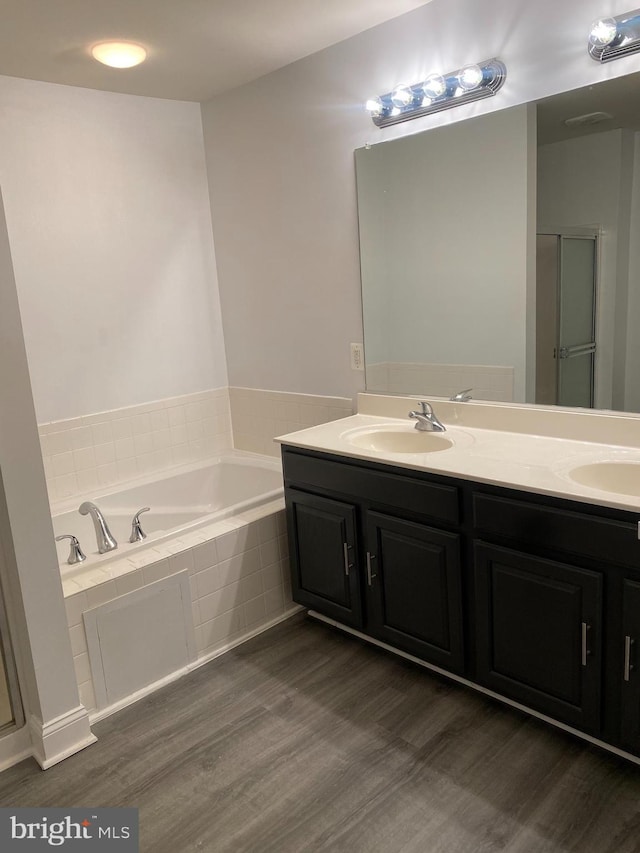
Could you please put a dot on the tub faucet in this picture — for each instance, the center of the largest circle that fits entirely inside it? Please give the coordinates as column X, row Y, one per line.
column 427, row 419
column 137, row 533
column 106, row 542
column 76, row 554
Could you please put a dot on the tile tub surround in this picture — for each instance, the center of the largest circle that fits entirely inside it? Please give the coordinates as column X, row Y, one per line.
column 239, row 579
column 103, row 449
column 238, row 567
column 258, row 416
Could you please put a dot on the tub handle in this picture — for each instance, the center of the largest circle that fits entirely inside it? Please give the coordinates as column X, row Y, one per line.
column 137, row 533
column 75, row 552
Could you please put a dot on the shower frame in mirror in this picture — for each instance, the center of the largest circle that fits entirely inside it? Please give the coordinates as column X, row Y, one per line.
column 567, row 273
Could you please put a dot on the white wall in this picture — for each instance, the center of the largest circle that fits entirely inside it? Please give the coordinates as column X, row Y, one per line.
column 28, row 562
column 110, row 231
column 281, row 174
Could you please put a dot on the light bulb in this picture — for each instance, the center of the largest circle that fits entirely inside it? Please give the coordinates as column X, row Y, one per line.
column 470, row 77
column 119, row 54
column 603, row 32
column 374, row 106
column 401, row 96
column 434, row 86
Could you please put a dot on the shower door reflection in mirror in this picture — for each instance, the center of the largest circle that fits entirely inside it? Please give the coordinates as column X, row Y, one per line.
column 566, row 286
column 576, row 322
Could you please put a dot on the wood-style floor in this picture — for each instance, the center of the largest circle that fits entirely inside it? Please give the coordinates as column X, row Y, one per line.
column 306, row 739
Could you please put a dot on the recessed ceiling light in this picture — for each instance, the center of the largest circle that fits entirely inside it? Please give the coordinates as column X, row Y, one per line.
column 119, row 54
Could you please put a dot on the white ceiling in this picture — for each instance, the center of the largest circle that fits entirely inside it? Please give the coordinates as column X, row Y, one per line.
column 197, row 48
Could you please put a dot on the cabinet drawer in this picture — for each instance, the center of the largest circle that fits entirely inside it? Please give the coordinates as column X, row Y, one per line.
column 382, row 488
column 557, row 529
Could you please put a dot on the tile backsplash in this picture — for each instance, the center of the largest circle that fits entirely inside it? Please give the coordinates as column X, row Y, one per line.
column 489, row 382
column 107, row 448
column 258, row 416
column 102, row 449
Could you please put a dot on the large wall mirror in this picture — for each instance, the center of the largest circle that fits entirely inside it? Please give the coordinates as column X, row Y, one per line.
column 502, row 254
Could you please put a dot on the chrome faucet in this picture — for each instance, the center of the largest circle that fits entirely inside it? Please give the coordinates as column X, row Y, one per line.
column 106, row 542
column 427, row 419
column 75, row 552
column 462, row 396
column 137, row 533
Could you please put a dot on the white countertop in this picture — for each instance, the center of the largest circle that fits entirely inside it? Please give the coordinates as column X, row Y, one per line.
column 515, row 459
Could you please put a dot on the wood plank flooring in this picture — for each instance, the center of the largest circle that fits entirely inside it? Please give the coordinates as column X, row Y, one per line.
column 306, row 739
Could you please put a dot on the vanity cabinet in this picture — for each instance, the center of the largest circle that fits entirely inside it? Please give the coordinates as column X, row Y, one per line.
column 629, row 648
column 539, row 628
column 378, row 551
column 414, row 588
column 534, row 598
column 590, row 551
column 325, row 555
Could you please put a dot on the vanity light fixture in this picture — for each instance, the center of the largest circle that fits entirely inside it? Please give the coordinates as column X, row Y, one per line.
column 437, row 92
column 611, row 38
column 119, row 54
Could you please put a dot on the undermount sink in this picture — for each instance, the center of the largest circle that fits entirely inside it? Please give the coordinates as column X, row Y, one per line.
column 620, row 477
column 396, row 440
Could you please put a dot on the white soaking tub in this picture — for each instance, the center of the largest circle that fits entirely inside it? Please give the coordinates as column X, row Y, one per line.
column 179, row 502
column 212, row 572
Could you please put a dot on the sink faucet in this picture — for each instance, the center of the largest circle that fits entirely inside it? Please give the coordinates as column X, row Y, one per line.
column 106, row 542
column 462, row 396
column 427, row 419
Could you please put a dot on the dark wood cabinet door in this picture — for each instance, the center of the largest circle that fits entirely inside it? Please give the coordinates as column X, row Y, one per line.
column 539, row 633
column 324, row 556
column 630, row 651
column 414, row 589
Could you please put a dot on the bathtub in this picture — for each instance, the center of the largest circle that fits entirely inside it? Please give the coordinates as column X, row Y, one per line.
column 212, row 572
column 179, row 502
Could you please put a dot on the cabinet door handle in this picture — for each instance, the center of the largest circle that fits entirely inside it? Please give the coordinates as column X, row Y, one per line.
column 370, row 573
column 628, row 666
column 345, row 551
column 586, row 651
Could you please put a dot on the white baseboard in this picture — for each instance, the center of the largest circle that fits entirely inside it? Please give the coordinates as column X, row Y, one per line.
column 295, row 608
column 61, row 737
column 477, row 687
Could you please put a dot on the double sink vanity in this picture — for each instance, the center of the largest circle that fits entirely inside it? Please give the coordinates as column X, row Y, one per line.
column 503, row 551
